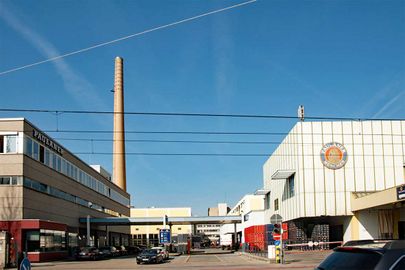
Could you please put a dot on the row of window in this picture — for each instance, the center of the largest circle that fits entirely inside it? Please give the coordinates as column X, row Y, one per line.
column 58, row 163
column 32, row 184
column 49, row 240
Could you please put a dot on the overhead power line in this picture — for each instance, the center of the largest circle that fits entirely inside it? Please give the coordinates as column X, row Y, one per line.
column 212, row 141
column 128, row 37
column 166, row 132
column 198, row 114
column 167, row 141
column 316, row 155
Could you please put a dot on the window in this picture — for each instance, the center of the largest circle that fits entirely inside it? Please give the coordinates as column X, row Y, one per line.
column 32, row 240
column 400, row 264
column 5, row 181
column 11, row 144
column 52, row 240
column 291, row 186
column 28, row 147
column 267, row 201
column 73, row 240
column 41, row 154
column 276, row 204
column 36, row 151
column 47, row 158
column 1, row 144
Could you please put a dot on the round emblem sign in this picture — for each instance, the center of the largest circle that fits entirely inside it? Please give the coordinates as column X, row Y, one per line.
column 333, row 155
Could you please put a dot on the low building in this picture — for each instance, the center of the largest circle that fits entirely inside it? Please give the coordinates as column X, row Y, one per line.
column 45, row 189
column 251, row 209
column 149, row 234
column 338, row 181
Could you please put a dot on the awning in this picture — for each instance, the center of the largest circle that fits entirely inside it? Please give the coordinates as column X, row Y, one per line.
column 282, row 174
column 262, row 192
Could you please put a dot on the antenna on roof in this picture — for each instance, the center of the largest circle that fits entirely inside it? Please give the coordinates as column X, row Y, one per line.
column 301, row 114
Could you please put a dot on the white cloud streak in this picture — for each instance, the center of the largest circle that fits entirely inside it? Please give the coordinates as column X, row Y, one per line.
column 77, row 86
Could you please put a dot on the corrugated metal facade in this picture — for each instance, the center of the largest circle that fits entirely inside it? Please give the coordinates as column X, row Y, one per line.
column 375, row 161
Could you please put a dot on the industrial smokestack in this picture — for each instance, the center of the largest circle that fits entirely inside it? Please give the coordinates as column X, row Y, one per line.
column 119, row 171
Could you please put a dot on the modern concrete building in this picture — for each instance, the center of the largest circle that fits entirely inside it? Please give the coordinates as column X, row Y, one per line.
column 149, row 234
column 346, row 174
column 45, row 189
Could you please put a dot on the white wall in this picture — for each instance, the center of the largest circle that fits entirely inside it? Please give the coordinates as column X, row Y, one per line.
column 368, row 225
column 375, row 162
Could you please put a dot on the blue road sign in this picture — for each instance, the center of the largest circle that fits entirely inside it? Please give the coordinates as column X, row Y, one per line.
column 164, row 236
column 277, row 243
column 25, row 264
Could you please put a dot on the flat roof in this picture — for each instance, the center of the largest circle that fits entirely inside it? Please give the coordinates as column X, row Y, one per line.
column 159, row 220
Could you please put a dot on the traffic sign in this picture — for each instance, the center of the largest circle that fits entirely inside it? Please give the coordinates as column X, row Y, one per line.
column 276, row 218
column 277, row 243
column 164, row 236
column 25, row 264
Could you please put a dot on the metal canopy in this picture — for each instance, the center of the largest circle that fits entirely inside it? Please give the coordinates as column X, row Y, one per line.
column 282, row 174
column 262, row 192
column 159, row 220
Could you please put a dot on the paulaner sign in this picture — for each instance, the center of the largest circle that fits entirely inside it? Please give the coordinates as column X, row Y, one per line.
column 47, row 141
column 333, row 155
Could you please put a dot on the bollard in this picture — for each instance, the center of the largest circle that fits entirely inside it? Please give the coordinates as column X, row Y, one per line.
column 278, row 254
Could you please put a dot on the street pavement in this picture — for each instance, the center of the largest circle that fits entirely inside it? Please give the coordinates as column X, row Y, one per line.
column 305, row 260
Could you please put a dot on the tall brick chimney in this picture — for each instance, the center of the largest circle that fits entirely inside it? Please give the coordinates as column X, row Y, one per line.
column 119, row 168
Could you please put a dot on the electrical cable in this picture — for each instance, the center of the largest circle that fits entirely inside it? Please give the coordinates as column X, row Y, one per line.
column 199, row 114
column 127, row 37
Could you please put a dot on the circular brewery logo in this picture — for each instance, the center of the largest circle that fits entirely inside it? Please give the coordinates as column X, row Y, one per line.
column 333, row 155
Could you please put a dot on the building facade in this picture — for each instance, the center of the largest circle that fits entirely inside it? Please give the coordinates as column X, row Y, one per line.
column 45, row 189
column 212, row 231
column 148, row 235
column 321, row 168
column 251, row 209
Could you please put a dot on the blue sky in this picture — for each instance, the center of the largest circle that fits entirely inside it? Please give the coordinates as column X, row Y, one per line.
column 339, row 58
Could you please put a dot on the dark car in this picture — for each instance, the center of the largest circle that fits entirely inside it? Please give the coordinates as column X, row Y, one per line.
column 122, row 250
column 133, row 250
column 109, row 252
column 149, row 256
column 367, row 254
column 89, row 253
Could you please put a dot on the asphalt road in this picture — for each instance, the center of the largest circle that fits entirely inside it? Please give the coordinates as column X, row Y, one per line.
column 194, row 262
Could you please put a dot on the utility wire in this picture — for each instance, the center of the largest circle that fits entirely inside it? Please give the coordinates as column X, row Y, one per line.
column 269, row 155
column 128, row 37
column 198, row 114
column 220, row 133
column 211, row 141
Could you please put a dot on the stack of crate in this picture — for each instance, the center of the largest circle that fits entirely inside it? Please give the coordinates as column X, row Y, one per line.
column 296, row 232
column 320, row 233
column 256, row 237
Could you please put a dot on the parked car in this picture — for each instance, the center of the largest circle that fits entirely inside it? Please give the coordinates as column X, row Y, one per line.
column 109, row 251
column 122, row 250
column 149, row 256
column 89, row 253
column 133, row 250
column 162, row 251
column 367, row 254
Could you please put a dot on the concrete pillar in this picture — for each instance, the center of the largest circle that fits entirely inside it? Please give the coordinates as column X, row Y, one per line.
column 88, row 230
column 107, row 232
column 235, row 233
column 119, row 170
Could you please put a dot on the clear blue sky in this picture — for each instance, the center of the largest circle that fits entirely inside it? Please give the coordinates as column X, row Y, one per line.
column 338, row 58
